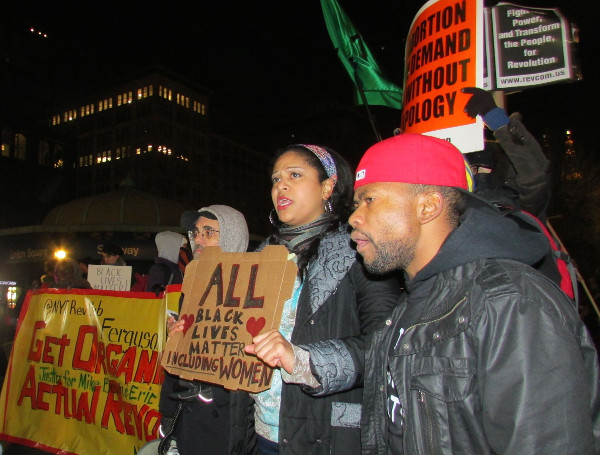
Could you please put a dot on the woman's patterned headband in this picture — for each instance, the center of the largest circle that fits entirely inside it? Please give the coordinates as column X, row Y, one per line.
column 324, row 157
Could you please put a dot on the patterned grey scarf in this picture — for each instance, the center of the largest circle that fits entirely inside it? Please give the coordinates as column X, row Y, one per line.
column 334, row 258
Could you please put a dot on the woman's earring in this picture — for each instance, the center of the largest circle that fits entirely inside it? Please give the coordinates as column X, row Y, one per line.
column 272, row 219
column 327, row 205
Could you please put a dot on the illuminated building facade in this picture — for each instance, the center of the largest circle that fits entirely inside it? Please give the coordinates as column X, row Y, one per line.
column 155, row 130
column 151, row 132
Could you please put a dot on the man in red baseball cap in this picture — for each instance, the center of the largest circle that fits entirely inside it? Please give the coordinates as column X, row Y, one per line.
column 482, row 354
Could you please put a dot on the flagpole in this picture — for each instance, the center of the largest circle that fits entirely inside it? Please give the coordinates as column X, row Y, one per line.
column 358, row 84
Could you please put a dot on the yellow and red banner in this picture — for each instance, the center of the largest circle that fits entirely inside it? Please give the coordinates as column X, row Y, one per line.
column 84, row 375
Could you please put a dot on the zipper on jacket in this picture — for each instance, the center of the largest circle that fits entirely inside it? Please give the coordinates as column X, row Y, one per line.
column 427, row 423
column 429, row 321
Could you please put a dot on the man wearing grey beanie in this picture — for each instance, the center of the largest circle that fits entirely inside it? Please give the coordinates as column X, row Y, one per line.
column 197, row 415
column 216, row 225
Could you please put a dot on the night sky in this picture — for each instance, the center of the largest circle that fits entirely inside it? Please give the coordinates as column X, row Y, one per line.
column 272, row 60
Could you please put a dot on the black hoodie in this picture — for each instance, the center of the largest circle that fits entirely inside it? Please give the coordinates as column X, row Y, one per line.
column 483, row 233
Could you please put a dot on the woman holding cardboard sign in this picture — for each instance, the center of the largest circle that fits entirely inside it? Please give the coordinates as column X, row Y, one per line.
column 313, row 405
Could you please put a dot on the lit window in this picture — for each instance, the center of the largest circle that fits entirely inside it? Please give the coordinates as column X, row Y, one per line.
column 139, row 93
column 119, row 100
column 149, row 148
column 150, row 90
column 11, row 296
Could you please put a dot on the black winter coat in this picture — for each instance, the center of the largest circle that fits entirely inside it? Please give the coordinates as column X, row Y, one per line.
column 327, row 420
column 493, row 357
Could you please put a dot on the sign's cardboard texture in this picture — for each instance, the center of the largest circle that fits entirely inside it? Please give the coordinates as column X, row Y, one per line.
column 228, row 298
column 110, row 277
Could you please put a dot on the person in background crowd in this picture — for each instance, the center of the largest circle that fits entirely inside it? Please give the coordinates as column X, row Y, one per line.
column 514, row 174
column 47, row 278
column 483, row 354
column 67, row 275
column 165, row 270
column 112, row 254
column 197, row 416
column 83, row 265
column 313, row 405
column 511, row 172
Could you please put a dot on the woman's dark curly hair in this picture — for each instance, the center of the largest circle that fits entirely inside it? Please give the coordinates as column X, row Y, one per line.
column 341, row 197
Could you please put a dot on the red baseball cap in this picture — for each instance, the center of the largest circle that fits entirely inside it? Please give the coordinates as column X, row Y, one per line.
column 414, row 158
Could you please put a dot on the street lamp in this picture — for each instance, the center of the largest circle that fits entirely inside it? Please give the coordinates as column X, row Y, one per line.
column 60, row 254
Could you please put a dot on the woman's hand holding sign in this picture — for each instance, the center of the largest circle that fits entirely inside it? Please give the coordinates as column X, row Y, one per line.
column 273, row 349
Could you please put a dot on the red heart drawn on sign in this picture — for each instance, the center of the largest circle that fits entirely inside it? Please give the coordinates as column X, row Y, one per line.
column 188, row 320
column 254, row 326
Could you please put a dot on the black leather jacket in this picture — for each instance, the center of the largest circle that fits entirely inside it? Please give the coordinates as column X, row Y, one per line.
column 495, row 361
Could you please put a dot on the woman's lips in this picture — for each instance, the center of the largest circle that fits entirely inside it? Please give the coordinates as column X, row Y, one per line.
column 283, row 202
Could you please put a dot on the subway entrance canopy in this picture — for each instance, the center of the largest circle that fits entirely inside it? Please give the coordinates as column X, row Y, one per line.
column 126, row 216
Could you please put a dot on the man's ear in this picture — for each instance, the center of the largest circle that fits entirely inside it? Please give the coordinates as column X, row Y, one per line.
column 431, row 205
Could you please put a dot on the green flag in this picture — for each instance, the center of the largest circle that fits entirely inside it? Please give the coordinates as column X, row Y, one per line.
column 357, row 59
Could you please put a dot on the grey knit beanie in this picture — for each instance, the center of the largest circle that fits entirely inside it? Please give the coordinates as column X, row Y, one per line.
column 233, row 230
column 168, row 244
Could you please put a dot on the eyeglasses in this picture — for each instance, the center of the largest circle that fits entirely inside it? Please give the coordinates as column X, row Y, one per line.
column 206, row 232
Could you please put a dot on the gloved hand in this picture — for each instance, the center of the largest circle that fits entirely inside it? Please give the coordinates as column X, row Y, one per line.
column 158, row 288
column 480, row 103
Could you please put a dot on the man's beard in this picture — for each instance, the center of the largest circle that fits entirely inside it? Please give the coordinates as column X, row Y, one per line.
column 390, row 256
column 196, row 251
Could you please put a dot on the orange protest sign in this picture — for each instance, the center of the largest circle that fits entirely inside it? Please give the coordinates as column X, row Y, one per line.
column 444, row 53
column 84, row 374
column 228, row 299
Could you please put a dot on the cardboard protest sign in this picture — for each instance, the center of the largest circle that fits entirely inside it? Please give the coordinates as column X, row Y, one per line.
column 172, row 295
column 532, row 46
column 110, row 277
column 444, row 53
column 84, row 374
column 228, row 299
